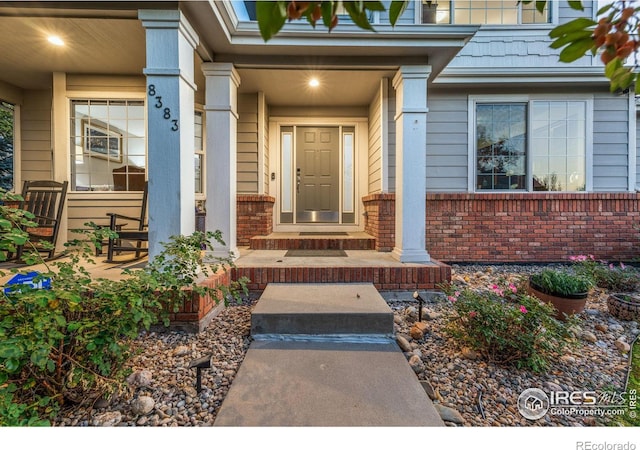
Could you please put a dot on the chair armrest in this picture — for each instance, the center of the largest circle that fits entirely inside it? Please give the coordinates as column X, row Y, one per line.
column 120, row 216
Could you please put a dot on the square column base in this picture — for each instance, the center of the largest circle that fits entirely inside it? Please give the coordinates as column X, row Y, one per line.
column 411, row 256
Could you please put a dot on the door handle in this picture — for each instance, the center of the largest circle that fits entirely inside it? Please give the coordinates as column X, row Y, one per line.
column 298, row 181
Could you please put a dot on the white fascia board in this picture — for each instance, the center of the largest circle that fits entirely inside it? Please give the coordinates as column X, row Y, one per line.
column 513, row 75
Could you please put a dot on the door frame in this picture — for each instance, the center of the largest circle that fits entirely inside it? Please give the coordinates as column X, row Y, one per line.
column 360, row 124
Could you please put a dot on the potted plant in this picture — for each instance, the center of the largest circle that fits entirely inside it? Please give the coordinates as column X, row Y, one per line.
column 429, row 10
column 624, row 306
column 565, row 290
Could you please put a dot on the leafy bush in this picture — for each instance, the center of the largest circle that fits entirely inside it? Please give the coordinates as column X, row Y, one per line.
column 562, row 282
column 506, row 325
column 620, row 278
column 68, row 344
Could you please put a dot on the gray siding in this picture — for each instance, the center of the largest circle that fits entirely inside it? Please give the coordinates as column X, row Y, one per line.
column 36, row 148
column 98, row 83
column 610, row 142
column 447, row 142
column 247, row 164
column 375, row 144
column 93, row 207
column 519, row 46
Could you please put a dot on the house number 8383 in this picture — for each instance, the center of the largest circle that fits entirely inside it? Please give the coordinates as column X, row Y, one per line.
column 166, row 112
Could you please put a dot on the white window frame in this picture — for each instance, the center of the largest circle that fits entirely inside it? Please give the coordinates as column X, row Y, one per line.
column 201, row 196
column 72, row 96
column 552, row 6
column 473, row 100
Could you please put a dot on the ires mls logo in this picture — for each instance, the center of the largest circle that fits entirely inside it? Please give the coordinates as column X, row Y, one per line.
column 576, row 398
column 534, row 403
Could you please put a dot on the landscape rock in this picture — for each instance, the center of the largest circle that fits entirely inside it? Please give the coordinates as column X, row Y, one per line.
column 181, row 350
column 140, row 378
column 142, row 405
column 602, row 327
column 622, row 346
column 403, row 343
column 449, row 414
column 416, row 364
column 469, row 353
column 108, row 419
column 588, row 336
column 428, row 389
column 418, row 330
column 567, row 359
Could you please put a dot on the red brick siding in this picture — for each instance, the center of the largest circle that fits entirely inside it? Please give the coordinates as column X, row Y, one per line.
column 380, row 220
column 532, row 227
column 254, row 217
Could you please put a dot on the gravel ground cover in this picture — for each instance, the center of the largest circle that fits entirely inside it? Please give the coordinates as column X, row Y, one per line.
column 467, row 390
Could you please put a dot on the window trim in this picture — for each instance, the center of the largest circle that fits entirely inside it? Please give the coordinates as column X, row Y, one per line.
column 473, row 100
column 17, row 140
column 201, row 196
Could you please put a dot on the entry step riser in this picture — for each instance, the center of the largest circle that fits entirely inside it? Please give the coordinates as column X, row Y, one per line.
column 262, row 243
column 322, row 323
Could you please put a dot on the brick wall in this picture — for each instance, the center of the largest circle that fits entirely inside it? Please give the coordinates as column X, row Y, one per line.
column 254, row 217
column 532, row 227
column 380, row 220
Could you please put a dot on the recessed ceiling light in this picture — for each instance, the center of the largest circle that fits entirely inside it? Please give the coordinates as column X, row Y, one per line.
column 314, row 82
column 56, row 40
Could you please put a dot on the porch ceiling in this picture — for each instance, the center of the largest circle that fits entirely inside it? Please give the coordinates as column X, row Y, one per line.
column 93, row 45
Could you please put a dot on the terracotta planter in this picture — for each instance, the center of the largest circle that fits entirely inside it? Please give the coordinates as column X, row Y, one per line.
column 624, row 306
column 566, row 306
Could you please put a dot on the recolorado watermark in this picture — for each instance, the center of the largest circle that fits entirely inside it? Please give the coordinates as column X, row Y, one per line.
column 534, row 403
column 589, row 445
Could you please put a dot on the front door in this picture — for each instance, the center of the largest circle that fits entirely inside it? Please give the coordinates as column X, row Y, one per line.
column 317, row 175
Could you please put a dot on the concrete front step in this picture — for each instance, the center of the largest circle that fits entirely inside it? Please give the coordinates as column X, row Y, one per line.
column 326, row 384
column 321, row 309
column 295, row 241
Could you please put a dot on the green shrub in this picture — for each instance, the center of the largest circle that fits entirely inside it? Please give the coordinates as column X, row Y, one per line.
column 506, row 325
column 620, row 278
column 68, row 344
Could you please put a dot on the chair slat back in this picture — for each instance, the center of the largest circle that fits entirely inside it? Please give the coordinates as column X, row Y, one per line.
column 45, row 199
column 143, row 209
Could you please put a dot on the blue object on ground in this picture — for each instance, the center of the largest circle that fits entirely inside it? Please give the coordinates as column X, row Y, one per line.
column 27, row 278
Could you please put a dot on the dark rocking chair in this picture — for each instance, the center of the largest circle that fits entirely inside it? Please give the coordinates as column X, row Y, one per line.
column 45, row 200
column 127, row 237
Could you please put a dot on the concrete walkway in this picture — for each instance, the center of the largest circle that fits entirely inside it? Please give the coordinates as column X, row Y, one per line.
column 324, row 355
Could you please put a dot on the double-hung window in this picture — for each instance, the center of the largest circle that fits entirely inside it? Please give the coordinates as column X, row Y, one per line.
column 7, row 150
column 490, row 12
column 531, row 144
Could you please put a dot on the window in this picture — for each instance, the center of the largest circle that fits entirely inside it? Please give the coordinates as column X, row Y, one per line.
column 502, row 12
column 108, row 145
column 7, row 125
column 534, row 145
column 199, row 153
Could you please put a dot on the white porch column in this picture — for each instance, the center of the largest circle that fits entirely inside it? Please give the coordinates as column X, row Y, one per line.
column 222, row 124
column 171, row 42
column 410, row 84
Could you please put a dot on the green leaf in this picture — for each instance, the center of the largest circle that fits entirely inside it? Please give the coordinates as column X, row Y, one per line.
column 540, row 4
column 358, row 14
column 604, row 9
column 611, row 67
column 374, row 6
column 271, row 17
column 12, row 365
column 10, row 351
column 576, row 4
column 396, row 9
column 327, row 13
column 576, row 50
column 575, row 25
column 570, row 37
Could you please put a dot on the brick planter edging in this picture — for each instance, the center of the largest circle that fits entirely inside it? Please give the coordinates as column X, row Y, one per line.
column 195, row 314
column 380, row 219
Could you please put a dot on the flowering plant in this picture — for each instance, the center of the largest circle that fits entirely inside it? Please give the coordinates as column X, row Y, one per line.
column 506, row 325
column 618, row 278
